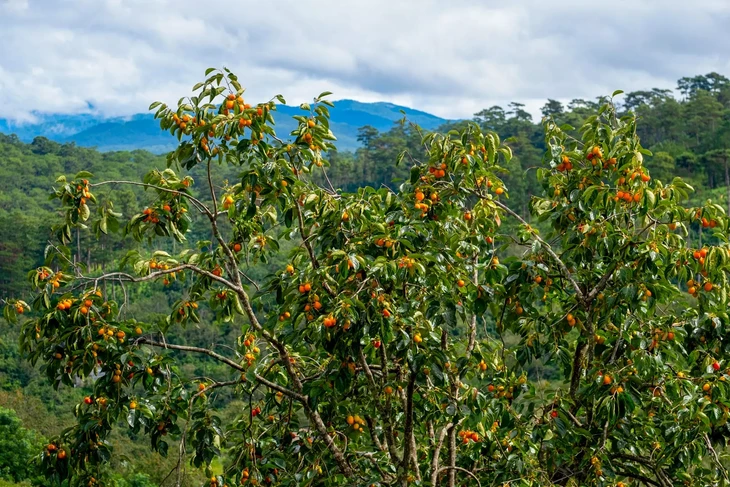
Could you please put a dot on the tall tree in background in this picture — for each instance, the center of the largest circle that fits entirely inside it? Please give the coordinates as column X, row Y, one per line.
column 717, row 163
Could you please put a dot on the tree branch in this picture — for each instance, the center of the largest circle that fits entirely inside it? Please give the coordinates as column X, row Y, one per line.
column 126, row 277
column 408, row 427
column 305, row 237
column 715, row 457
column 451, row 468
column 216, row 385
column 564, row 269
column 212, row 192
column 385, row 411
column 437, row 452
column 187, row 348
column 473, row 321
column 225, row 360
column 580, row 349
column 452, row 457
column 196, row 202
column 373, row 433
column 639, row 477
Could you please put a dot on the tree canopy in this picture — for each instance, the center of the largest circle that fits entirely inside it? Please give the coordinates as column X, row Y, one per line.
column 403, row 338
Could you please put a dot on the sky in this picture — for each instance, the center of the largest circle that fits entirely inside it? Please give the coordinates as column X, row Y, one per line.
column 450, row 57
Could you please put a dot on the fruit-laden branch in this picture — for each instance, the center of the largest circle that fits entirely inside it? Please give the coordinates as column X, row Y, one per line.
column 236, row 286
column 196, row 202
column 566, row 272
column 291, row 371
column 308, row 245
column 225, row 360
column 312, row 414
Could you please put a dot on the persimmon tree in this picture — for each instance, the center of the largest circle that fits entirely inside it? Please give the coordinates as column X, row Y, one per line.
column 394, row 346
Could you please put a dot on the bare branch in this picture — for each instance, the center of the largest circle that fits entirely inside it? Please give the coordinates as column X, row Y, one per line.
column 254, row 283
column 332, row 191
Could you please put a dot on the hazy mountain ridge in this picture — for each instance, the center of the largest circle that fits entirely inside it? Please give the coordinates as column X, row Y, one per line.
column 141, row 131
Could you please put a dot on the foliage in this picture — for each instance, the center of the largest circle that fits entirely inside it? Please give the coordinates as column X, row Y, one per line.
column 18, row 447
column 394, row 344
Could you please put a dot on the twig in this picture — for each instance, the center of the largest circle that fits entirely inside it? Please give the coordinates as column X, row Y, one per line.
column 442, row 469
column 715, row 457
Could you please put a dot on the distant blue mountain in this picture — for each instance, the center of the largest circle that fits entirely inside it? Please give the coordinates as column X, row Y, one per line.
column 141, row 131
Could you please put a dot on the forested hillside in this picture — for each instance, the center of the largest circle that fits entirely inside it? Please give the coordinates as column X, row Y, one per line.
column 688, row 133
column 141, row 131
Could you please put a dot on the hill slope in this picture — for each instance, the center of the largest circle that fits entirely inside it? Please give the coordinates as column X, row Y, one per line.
column 141, row 131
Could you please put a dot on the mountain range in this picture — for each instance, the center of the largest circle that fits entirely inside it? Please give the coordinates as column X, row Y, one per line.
column 141, row 131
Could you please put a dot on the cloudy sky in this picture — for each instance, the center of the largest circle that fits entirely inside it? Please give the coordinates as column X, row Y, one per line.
column 448, row 57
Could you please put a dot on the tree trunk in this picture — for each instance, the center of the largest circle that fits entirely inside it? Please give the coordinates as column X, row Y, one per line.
column 727, row 182
column 451, row 475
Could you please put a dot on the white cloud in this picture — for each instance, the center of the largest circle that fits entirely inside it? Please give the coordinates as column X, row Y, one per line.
column 13, row 6
column 448, row 58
